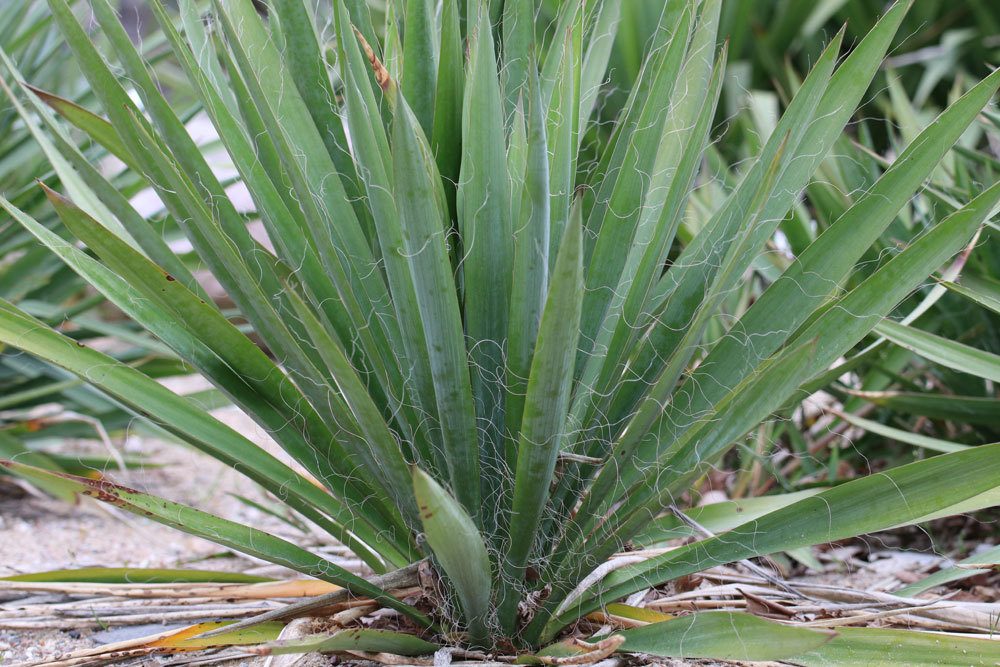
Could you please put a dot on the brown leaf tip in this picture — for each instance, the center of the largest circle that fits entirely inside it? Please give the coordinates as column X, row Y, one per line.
column 381, row 73
column 52, row 195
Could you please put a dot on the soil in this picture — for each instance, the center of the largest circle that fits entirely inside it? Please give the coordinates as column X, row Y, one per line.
column 38, row 533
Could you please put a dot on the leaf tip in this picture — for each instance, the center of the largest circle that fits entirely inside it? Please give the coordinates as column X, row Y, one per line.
column 381, row 73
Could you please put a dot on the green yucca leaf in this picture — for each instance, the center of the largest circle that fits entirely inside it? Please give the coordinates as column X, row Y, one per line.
column 846, row 88
column 723, row 636
column 372, row 150
column 843, row 325
column 420, row 61
column 618, row 202
column 933, row 444
column 380, row 451
column 96, row 127
column 458, row 546
column 547, row 398
column 342, row 247
column 562, row 133
column 448, row 99
column 718, row 517
column 825, row 264
column 902, row 494
column 85, row 181
column 961, row 570
column 961, row 409
column 487, row 243
column 613, row 479
column 138, row 575
column 13, row 449
column 519, row 54
column 530, row 281
column 746, row 405
column 282, row 219
column 602, row 32
column 869, row 647
column 942, row 351
column 180, row 417
column 424, row 224
column 229, row 350
column 308, row 69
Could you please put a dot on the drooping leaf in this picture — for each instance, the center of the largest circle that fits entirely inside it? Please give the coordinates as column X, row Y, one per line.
column 243, row 538
column 132, row 575
column 964, row 569
column 876, row 647
column 723, row 636
column 902, row 494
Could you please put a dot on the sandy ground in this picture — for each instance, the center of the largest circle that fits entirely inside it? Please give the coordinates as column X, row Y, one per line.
column 38, row 533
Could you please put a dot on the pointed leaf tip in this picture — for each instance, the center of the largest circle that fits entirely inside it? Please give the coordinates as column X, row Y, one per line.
column 381, row 73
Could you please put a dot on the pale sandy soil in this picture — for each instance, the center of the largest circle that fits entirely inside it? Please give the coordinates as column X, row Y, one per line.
column 38, row 533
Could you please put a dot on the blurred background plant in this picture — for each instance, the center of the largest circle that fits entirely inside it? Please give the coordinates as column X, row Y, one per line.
column 898, row 402
column 42, row 406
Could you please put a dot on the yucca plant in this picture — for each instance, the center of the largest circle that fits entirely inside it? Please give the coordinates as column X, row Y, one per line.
column 487, row 353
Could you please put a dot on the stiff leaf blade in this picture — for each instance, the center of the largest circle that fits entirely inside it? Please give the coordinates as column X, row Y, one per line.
column 458, row 546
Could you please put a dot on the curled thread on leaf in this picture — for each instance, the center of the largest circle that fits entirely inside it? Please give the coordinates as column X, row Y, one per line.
column 381, row 73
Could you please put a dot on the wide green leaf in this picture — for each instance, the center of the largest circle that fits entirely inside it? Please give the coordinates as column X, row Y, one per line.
column 723, row 635
column 877, row 647
column 458, row 546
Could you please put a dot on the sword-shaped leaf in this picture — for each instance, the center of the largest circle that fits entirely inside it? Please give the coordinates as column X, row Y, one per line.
column 458, row 546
